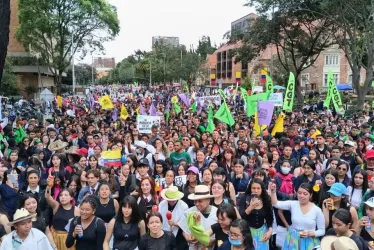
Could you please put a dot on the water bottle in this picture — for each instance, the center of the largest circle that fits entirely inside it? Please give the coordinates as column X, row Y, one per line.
column 80, row 235
column 368, row 227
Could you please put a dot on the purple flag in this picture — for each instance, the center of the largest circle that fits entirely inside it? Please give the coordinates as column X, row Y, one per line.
column 115, row 114
column 184, row 99
column 265, row 112
column 142, row 111
column 92, row 102
column 198, row 106
column 152, row 110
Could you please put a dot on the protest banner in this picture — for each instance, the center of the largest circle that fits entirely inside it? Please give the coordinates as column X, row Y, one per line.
column 277, row 99
column 145, row 123
column 215, row 99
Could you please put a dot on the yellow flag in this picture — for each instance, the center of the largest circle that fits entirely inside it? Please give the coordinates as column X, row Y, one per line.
column 138, row 110
column 279, row 125
column 313, row 136
column 59, row 101
column 106, row 102
column 257, row 127
column 174, row 99
column 124, row 113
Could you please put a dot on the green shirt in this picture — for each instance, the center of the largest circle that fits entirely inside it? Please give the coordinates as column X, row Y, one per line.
column 177, row 157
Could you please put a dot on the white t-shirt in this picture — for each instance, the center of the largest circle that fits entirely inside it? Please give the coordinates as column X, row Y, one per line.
column 355, row 197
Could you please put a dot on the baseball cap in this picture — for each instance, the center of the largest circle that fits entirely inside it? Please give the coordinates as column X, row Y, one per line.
column 140, row 144
column 369, row 154
column 82, row 151
column 370, row 202
column 194, row 170
column 349, row 143
column 143, row 162
column 337, row 189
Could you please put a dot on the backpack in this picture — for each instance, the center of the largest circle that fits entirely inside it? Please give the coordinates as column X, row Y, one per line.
column 287, row 184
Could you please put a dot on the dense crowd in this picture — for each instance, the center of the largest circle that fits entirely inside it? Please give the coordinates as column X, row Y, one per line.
column 307, row 186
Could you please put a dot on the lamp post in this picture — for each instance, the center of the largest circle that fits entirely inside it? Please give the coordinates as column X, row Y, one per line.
column 72, row 60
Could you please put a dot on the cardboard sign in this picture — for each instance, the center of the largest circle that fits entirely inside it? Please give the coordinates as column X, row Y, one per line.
column 145, row 123
column 277, row 99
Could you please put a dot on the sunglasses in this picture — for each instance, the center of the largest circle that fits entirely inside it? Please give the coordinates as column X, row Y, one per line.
column 265, row 169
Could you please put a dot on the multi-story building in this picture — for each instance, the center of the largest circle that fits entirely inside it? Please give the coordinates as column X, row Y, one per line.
column 24, row 65
column 104, row 62
column 334, row 59
column 244, row 23
column 165, row 40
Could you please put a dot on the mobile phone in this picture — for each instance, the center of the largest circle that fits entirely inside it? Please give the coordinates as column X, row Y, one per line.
column 253, row 196
column 13, row 179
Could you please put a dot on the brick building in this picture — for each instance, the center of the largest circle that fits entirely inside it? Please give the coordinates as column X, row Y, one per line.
column 23, row 63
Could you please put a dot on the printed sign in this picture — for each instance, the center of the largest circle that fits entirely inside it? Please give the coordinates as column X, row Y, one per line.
column 258, row 89
column 277, row 99
column 179, row 180
column 145, row 123
column 215, row 99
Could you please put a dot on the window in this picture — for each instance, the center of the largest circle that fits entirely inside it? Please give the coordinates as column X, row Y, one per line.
column 229, row 65
column 304, row 79
column 219, row 56
column 331, row 60
column 224, row 66
column 325, row 78
column 229, row 74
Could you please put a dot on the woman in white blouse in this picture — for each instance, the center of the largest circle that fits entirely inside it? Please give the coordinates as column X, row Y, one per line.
column 305, row 217
column 359, row 186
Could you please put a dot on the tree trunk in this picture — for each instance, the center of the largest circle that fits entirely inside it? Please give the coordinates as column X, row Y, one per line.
column 58, row 82
column 4, row 33
column 363, row 90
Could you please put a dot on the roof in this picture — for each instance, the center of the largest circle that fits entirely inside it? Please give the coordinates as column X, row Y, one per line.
column 34, row 69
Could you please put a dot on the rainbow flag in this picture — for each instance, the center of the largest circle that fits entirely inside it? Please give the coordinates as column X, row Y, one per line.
column 112, row 158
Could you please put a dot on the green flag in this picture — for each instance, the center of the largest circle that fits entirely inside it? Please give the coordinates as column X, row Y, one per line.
column 210, row 112
column 335, row 95
column 269, row 85
column 328, row 97
column 290, row 93
column 251, row 106
column 194, row 107
column 19, row 134
column 167, row 115
column 177, row 109
column 223, row 96
column 224, row 115
column 244, row 94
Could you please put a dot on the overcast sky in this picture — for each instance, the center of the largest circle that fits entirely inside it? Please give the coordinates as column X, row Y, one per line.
column 188, row 20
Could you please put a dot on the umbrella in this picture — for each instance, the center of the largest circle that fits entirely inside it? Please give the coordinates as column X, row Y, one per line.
column 279, row 87
column 344, row 86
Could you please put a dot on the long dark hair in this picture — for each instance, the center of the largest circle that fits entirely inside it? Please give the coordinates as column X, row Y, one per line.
column 266, row 201
column 244, row 229
column 29, row 196
column 365, row 184
column 130, row 202
column 323, row 194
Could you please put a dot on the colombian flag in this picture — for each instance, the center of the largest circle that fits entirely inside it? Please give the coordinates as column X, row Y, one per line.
column 112, row 158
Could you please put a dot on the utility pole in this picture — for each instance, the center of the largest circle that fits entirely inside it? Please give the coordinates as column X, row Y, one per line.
column 92, row 71
column 150, row 74
column 180, row 72
column 72, row 60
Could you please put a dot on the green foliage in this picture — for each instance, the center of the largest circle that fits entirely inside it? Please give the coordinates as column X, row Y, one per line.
column 167, row 64
column 30, row 89
column 8, row 81
column 48, row 26
column 83, row 75
column 298, row 35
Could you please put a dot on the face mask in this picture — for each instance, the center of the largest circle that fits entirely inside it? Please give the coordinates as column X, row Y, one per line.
column 138, row 151
column 285, row 170
column 251, row 153
column 235, row 243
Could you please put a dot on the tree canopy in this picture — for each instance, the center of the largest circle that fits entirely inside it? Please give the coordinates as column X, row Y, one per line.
column 55, row 28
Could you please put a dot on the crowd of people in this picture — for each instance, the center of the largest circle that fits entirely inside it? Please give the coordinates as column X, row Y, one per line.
column 306, row 187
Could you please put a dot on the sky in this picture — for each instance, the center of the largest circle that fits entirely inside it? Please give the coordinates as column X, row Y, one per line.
column 188, row 20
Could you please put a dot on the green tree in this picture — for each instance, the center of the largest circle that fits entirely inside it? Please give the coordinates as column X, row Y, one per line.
column 30, row 90
column 4, row 34
column 8, row 81
column 353, row 31
column 205, row 47
column 298, row 35
column 55, row 28
column 83, row 74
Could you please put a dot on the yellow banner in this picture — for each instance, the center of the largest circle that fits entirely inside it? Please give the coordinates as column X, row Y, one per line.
column 106, row 102
column 238, row 74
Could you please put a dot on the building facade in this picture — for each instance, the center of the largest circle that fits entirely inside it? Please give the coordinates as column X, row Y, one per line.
column 165, row 40
column 24, row 64
column 243, row 23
